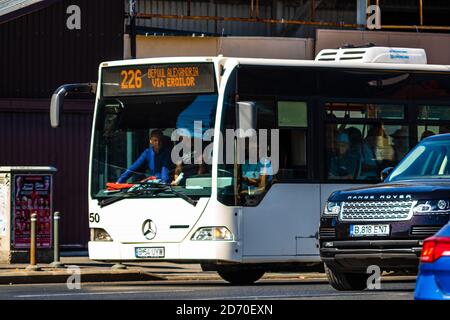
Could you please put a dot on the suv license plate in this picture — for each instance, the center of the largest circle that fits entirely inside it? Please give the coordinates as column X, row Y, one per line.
column 369, row 230
column 149, row 252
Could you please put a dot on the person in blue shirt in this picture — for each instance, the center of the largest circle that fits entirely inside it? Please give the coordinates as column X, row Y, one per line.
column 345, row 163
column 256, row 175
column 156, row 157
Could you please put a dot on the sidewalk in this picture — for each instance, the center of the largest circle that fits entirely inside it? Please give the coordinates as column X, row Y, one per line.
column 92, row 271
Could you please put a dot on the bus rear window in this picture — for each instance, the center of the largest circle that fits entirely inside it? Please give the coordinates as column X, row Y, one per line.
column 364, row 111
column 434, row 112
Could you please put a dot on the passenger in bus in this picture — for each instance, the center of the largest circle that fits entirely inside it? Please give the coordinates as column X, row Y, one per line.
column 426, row 133
column 185, row 170
column 401, row 143
column 356, row 140
column 356, row 147
column 255, row 176
column 378, row 153
column 156, row 157
column 190, row 164
column 345, row 163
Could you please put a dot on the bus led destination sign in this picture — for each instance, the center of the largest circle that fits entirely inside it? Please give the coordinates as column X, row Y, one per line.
column 158, row 79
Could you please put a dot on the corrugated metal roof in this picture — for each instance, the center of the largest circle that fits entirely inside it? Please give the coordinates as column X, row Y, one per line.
column 8, row 6
column 336, row 12
column 13, row 9
column 332, row 11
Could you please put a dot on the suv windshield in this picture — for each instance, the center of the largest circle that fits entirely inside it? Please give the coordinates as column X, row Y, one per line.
column 430, row 159
column 134, row 140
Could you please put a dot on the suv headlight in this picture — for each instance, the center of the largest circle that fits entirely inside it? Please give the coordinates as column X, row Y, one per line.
column 332, row 208
column 212, row 234
column 432, row 207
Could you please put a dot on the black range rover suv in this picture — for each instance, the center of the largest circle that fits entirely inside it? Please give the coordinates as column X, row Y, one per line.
column 385, row 224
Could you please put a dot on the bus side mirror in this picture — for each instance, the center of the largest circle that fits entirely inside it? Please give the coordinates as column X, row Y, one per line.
column 58, row 96
column 246, row 118
column 385, row 173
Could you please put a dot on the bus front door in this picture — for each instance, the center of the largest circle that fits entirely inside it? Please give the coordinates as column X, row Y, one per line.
column 283, row 224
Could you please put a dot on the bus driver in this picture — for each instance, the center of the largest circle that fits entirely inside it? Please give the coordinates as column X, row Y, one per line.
column 157, row 158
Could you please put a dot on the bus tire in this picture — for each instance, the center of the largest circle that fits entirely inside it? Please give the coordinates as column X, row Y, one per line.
column 346, row 281
column 241, row 277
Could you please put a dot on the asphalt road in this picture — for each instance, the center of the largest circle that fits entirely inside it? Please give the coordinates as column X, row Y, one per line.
column 204, row 290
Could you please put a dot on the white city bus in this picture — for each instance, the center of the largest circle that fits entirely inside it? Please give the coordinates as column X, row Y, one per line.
column 375, row 101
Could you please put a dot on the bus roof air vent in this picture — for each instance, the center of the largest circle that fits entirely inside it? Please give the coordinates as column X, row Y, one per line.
column 372, row 54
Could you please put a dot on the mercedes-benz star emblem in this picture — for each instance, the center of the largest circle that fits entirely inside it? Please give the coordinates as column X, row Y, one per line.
column 149, row 229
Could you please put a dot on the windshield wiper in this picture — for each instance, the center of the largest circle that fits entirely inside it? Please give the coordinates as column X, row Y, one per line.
column 125, row 193
column 181, row 195
column 161, row 187
column 145, row 188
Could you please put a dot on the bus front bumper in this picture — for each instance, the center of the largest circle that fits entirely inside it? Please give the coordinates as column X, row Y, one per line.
column 189, row 250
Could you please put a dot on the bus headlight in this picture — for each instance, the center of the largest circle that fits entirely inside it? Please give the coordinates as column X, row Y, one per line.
column 212, row 234
column 432, row 207
column 332, row 209
column 98, row 234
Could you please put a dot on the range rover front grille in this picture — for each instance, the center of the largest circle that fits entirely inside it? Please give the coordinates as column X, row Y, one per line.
column 376, row 210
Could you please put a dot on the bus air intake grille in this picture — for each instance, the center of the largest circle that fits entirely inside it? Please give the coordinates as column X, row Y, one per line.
column 376, row 210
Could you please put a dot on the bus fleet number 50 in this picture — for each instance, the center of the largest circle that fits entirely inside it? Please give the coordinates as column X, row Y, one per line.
column 94, row 217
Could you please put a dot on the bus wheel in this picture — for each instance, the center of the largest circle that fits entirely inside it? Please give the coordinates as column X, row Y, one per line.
column 241, row 277
column 346, row 281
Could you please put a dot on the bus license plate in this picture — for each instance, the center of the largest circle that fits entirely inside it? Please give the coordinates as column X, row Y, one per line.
column 369, row 230
column 149, row 252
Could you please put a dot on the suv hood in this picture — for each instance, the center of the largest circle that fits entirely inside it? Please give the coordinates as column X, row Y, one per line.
column 402, row 190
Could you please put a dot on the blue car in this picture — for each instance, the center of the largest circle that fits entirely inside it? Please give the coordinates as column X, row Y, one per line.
column 433, row 281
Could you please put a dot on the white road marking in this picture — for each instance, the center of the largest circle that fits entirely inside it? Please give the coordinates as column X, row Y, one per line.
column 94, row 293
column 365, row 293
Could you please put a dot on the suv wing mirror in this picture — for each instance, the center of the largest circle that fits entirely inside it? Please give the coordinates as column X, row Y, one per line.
column 385, row 173
column 58, row 96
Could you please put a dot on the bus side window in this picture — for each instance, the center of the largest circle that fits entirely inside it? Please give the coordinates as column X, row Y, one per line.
column 293, row 126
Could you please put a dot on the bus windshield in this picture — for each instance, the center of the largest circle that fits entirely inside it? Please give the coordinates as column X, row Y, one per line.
column 156, row 138
column 430, row 159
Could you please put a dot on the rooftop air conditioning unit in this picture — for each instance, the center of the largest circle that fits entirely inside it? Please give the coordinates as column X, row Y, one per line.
column 369, row 54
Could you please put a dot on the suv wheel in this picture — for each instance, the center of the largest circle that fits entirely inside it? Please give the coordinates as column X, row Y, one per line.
column 345, row 281
column 241, row 277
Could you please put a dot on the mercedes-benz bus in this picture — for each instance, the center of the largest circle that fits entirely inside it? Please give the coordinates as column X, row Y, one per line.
column 372, row 104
